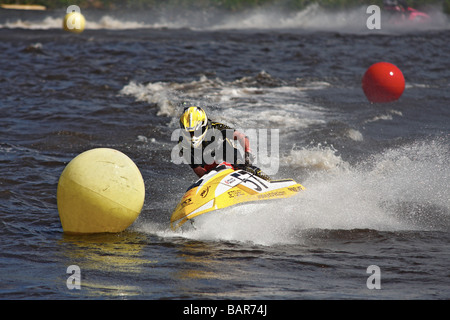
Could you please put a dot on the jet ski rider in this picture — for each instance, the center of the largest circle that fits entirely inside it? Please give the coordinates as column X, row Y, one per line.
column 395, row 6
column 199, row 132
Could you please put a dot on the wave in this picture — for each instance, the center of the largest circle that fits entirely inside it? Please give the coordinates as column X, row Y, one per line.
column 399, row 189
column 278, row 104
column 313, row 17
column 51, row 22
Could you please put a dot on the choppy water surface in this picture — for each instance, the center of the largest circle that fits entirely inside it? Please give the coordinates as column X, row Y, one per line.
column 377, row 176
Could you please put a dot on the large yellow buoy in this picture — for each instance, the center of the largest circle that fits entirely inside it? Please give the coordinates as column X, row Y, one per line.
column 74, row 22
column 100, row 190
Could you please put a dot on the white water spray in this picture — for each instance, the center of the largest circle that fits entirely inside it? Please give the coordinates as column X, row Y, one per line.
column 406, row 188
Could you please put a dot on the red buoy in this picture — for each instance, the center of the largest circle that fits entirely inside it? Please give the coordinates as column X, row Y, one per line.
column 383, row 82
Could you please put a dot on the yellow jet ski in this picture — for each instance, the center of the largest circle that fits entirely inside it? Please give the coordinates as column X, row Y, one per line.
column 224, row 187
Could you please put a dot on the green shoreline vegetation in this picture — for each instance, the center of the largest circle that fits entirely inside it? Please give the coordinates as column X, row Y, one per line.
column 229, row 5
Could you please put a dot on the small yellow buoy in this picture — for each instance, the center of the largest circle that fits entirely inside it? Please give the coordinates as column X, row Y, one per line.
column 100, row 190
column 74, row 22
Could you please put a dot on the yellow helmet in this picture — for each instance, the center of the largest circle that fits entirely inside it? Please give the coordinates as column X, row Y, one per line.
column 195, row 124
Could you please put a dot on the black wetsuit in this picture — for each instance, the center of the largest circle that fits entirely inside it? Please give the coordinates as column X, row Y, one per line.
column 218, row 146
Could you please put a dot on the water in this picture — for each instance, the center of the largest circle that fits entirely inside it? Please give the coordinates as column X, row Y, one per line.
column 377, row 175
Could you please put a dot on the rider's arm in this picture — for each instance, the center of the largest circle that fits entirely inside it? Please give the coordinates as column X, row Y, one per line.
column 243, row 140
